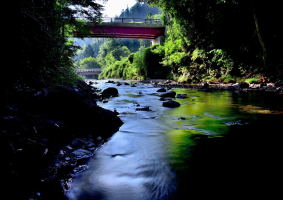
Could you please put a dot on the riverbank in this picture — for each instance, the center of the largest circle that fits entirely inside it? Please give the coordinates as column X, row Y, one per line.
column 48, row 135
column 267, row 88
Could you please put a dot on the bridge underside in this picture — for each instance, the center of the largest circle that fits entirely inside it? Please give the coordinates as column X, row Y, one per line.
column 124, row 31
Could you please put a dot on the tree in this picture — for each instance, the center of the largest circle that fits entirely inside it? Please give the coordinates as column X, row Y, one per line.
column 45, row 51
column 120, row 52
column 88, row 51
column 248, row 30
column 89, row 63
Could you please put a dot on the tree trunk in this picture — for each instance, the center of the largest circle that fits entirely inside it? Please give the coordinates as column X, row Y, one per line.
column 260, row 37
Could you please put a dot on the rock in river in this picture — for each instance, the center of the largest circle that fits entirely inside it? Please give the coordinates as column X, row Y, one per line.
column 171, row 104
column 169, row 94
column 110, row 92
column 146, row 108
column 161, row 90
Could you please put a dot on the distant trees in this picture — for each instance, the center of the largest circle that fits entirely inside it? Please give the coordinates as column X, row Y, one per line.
column 139, row 10
column 89, row 63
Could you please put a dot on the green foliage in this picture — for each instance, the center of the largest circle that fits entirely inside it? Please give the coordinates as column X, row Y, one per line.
column 252, row 80
column 45, row 52
column 220, row 63
column 240, row 28
column 121, row 69
column 120, row 52
column 140, row 65
column 89, row 63
column 139, row 10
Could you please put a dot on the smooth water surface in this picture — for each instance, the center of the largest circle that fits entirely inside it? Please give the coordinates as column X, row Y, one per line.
column 149, row 157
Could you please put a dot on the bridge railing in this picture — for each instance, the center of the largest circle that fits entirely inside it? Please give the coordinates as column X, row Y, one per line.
column 130, row 20
column 123, row 20
column 88, row 70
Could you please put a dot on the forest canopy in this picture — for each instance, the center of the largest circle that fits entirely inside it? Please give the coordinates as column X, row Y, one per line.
column 45, row 51
column 246, row 31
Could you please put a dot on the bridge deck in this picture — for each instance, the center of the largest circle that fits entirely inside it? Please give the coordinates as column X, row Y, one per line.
column 88, row 72
column 125, row 28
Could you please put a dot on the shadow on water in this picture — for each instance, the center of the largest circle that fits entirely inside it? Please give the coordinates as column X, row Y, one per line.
column 219, row 145
column 244, row 162
column 238, row 154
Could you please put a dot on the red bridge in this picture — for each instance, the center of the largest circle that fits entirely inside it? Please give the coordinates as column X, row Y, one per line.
column 150, row 29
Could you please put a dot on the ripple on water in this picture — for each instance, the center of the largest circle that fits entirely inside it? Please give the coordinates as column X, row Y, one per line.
column 139, row 162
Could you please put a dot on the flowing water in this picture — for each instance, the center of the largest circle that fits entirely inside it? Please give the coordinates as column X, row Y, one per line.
column 210, row 144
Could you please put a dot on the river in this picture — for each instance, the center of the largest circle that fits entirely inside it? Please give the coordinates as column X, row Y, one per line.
column 212, row 145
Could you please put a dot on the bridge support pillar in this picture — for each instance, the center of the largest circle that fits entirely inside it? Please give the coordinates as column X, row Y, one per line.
column 157, row 40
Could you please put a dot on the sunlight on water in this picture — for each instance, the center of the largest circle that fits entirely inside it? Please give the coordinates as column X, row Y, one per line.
column 141, row 160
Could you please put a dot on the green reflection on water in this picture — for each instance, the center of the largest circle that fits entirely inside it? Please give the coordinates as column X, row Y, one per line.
column 205, row 111
column 203, row 114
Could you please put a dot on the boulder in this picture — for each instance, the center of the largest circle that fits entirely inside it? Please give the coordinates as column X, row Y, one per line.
column 171, row 104
column 171, row 94
column 243, row 85
column 205, row 85
column 110, row 92
column 161, row 90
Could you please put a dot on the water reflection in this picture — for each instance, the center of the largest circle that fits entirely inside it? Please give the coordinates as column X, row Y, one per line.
column 130, row 166
column 211, row 143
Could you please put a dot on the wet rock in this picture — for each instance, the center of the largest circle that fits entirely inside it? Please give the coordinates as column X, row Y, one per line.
column 110, row 92
column 116, row 112
column 126, row 83
column 78, row 142
column 171, row 104
column 205, row 85
column 243, row 85
column 181, row 96
column 110, row 81
column 119, row 84
column 254, row 86
column 181, row 118
column 146, row 108
column 81, row 154
column 171, row 94
column 36, row 133
column 279, row 84
column 161, row 90
column 262, row 85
